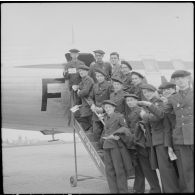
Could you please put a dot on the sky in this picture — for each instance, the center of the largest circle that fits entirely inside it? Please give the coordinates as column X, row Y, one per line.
column 43, row 32
column 40, row 33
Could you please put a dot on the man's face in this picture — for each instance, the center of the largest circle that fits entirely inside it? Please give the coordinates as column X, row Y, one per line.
column 136, row 79
column 109, row 109
column 125, row 69
column 131, row 102
column 148, row 94
column 114, row 59
column 167, row 92
column 117, row 86
column 99, row 57
column 182, row 82
column 74, row 55
column 100, row 78
column 83, row 72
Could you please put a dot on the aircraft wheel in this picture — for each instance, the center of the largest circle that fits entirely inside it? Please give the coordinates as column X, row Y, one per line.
column 73, row 181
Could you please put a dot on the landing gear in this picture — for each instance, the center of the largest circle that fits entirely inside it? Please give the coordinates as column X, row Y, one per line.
column 73, row 181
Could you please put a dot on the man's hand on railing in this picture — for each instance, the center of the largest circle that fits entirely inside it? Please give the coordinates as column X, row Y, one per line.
column 93, row 107
column 75, row 87
column 75, row 108
column 99, row 110
column 101, row 116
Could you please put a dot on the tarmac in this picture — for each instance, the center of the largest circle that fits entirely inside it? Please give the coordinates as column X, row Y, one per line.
column 48, row 168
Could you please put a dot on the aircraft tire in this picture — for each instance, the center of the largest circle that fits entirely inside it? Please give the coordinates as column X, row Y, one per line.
column 73, row 181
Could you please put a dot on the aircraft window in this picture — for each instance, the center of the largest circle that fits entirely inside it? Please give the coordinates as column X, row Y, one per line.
column 150, row 65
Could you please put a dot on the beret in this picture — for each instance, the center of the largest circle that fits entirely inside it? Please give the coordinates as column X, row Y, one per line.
column 131, row 95
column 109, row 102
column 99, row 51
column 117, row 79
column 138, row 74
column 74, row 51
column 100, row 71
column 167, row 85
column 180, row 73
column 148, row 86
column 114, row 53
column 126, row 63
column 83, row 67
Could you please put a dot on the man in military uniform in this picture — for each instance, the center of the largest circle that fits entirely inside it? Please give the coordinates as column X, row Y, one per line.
column 155, row 118
column 126, row 70
column 83, row 91
column 118, row 164
column 100, row 64
column 115, row 63
column 137, row 80
column 71, row 74
column 117, row 96
column 181, row 104
column 143, row 167
column 101, row 91
column 168, row 89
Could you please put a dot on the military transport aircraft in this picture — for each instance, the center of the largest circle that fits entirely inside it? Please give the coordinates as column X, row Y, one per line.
column 35, row 97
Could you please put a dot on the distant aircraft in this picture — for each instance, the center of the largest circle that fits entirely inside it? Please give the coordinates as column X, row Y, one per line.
column 35, row 97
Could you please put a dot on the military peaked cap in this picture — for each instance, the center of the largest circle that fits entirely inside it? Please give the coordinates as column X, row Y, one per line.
column 74, row 51
column 117, row 79
column 99, row 51
column 167, row 85
column 180, row 73
column 83, row 67
column 126, row 63
column 138, row 74
column 109, row 102
column 148, row 86
column 131, row 95
column 100, row 71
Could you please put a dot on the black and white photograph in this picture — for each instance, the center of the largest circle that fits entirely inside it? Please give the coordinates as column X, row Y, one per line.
column 97, row 97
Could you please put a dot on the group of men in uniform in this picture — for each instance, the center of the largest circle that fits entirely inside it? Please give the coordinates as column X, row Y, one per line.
column 136, row 126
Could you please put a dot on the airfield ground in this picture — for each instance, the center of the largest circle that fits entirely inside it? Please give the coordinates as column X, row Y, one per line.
column 48, row 168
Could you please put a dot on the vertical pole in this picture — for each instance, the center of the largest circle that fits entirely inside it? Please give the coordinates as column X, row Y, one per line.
column 75, row 156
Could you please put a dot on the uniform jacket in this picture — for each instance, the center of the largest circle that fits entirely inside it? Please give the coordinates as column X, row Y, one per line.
column 70, row 74
column 136, row 89
column 112, row 123
column 155, row 118
column 181, row 104
column 143, row 140
column 119, row 100
column 169, row 123
column 85, row 87
column 99, row 93
column 116, row 71
column 105, row 66
column 132, row 116
column 127, row 82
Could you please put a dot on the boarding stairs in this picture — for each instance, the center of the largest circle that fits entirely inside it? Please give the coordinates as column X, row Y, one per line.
column 91, row 147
